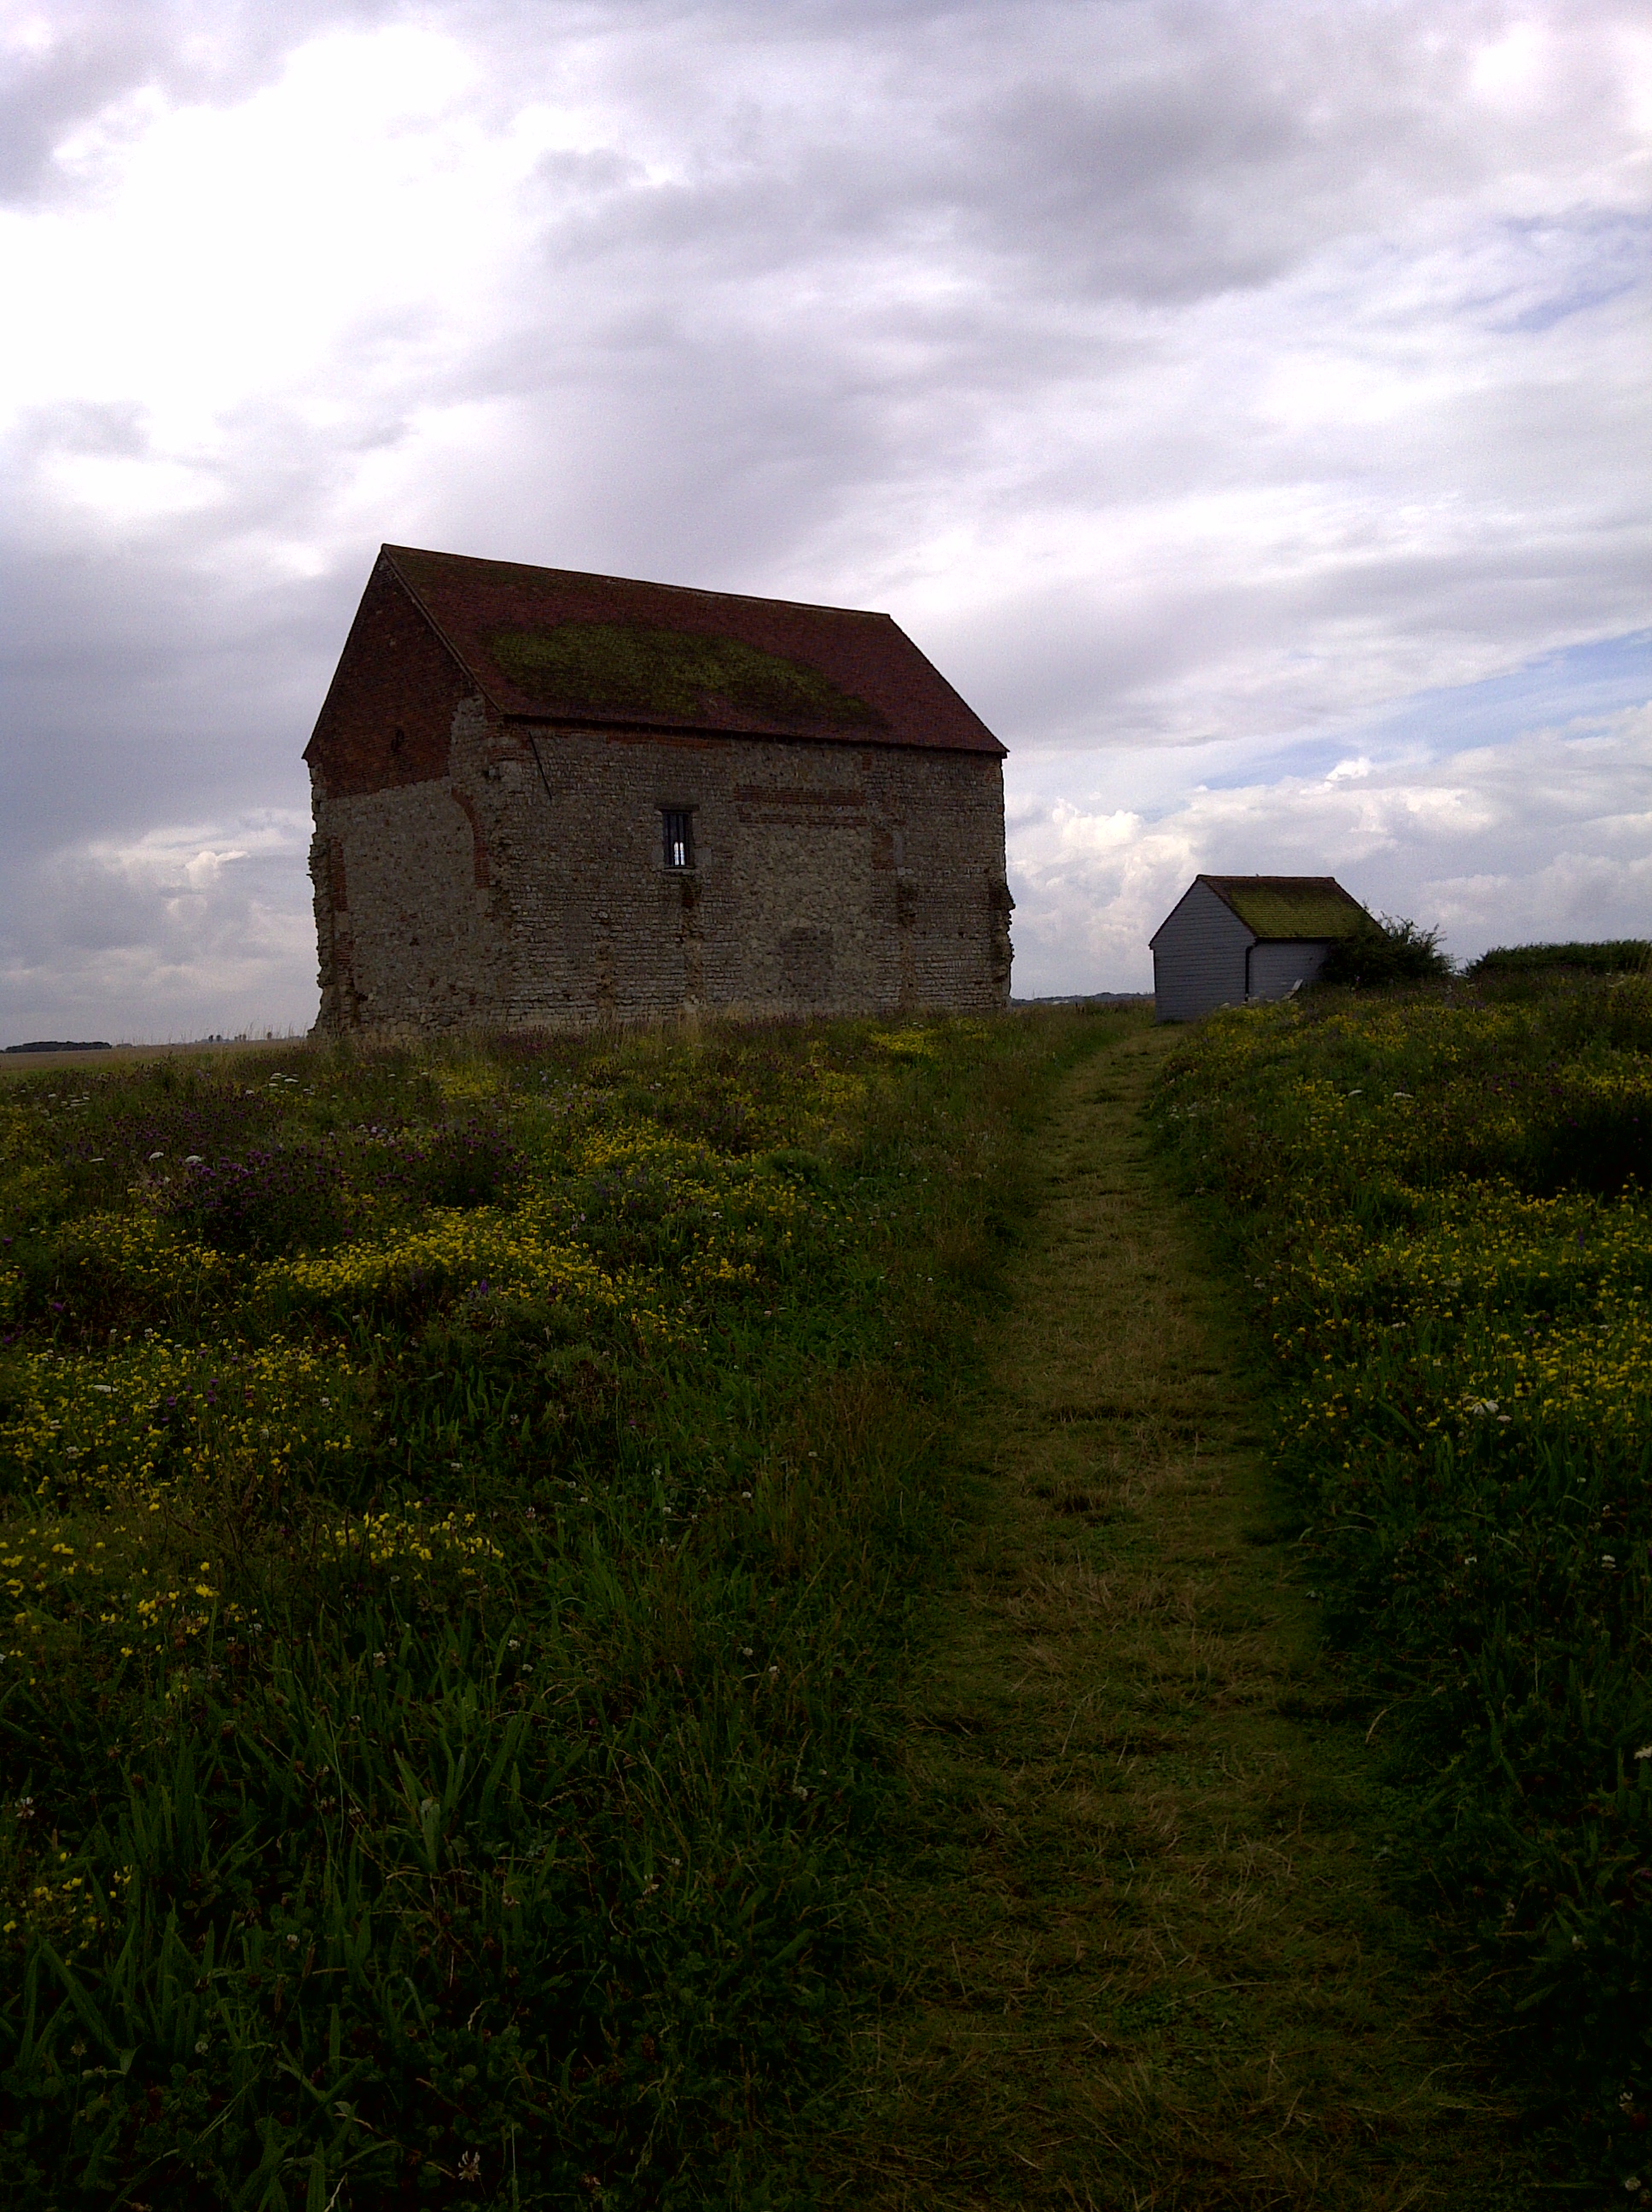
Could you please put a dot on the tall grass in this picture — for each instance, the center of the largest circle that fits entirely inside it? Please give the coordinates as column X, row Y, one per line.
column 1439, row 1207
column 455, row 1508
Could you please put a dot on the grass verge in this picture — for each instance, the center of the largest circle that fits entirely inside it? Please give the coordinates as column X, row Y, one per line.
column 1439, row 1205
column 457, row 1506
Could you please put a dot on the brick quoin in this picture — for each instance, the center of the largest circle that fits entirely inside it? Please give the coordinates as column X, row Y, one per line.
column 492, row 767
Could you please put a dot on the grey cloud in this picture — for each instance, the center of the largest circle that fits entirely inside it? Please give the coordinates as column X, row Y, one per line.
column 89, row 64
column 94, row 56
column 1018, row 319
column 79, row 426
column 1130, row 187
column 1173, row 153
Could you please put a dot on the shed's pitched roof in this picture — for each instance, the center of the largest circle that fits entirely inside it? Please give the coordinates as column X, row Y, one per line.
column 1286, row 907
column 557, row 644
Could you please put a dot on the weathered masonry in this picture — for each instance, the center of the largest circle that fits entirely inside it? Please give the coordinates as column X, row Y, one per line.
column 1229, row 939
column 542, row 797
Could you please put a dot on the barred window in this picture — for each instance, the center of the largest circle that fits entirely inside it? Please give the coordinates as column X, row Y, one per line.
column 679, row 838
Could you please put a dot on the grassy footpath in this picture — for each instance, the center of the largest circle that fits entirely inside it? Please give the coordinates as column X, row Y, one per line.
column 1141, row 1957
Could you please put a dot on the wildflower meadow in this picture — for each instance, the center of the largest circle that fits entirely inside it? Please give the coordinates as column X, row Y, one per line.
column 455, row 1501
column 1437, row 1206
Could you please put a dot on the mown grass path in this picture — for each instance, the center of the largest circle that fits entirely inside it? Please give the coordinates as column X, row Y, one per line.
column 1142, row 1956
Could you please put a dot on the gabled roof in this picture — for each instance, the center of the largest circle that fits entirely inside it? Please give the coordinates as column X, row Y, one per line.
column 556, row 645
column 1286, row 907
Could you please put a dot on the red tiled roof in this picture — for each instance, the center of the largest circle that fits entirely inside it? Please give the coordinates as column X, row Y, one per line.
column 554, row 643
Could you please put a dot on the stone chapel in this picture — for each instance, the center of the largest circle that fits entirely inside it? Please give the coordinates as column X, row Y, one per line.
column 542, row 797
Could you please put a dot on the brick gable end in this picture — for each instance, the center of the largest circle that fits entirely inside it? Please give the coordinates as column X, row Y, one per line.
column 389, row 712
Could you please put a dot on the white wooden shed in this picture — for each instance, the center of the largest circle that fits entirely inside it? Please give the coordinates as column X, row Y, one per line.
column 1230, row 940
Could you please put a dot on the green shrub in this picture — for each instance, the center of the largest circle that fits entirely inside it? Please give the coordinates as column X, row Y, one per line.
column 1385, row 951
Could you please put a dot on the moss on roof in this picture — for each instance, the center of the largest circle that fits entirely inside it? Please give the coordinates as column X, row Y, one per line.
column 1292, row 906
column 597, row 667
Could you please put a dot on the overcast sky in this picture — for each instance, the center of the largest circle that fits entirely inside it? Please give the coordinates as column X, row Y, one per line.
column 1243, row 404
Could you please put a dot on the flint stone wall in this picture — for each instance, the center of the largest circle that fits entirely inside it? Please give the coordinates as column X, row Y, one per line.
column 524, row 881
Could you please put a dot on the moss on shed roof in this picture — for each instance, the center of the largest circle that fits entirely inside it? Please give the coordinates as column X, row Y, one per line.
column 610, row 667
column 1291, row 906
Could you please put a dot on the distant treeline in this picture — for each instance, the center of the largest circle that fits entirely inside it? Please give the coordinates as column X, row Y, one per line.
column 1624, row 956
column 55, row 1044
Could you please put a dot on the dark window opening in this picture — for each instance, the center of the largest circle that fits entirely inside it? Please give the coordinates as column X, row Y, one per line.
column 679, row 838
column 399, row 741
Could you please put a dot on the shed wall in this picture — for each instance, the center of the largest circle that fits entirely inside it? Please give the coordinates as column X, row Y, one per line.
column 1198, row 958
column 1278, row 965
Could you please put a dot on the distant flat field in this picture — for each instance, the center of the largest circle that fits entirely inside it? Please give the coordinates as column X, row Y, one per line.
column 33, row 1063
